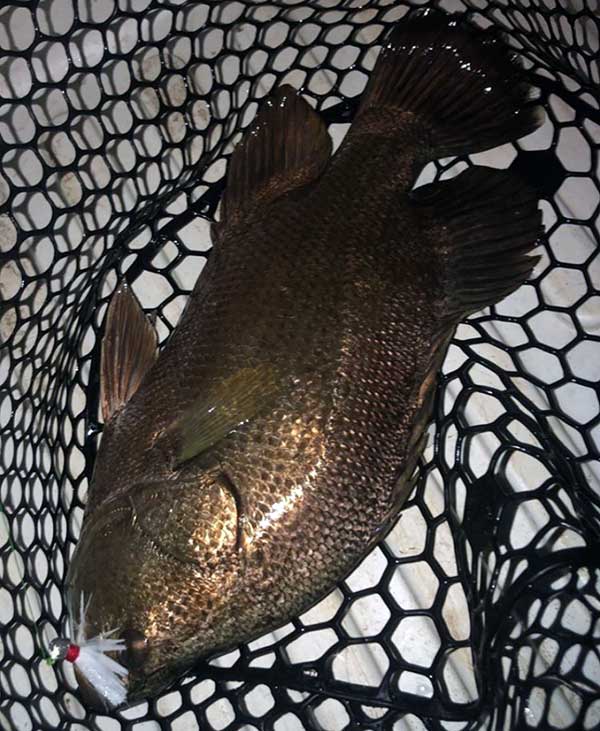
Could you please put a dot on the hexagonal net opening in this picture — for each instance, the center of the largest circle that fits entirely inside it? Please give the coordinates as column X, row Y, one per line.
column 480, row 607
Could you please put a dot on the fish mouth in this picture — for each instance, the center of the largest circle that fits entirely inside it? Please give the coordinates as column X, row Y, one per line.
column 144, row 686
column 91, row 698
column 140, row 685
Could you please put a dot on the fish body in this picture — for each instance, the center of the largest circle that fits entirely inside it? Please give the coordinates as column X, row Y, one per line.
column 250, row 466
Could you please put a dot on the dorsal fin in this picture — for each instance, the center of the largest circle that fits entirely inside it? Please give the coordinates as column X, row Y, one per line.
column 286, row 147
column 129, row 348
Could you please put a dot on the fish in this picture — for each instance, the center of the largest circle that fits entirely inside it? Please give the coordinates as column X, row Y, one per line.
column 250, row 465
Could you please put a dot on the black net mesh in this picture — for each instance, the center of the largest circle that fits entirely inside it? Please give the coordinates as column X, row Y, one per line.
column 481, row 609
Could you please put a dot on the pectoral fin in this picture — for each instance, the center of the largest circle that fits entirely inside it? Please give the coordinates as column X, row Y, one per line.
column 225, row 407
column 129, row 348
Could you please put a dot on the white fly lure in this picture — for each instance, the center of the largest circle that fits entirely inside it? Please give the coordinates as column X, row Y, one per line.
column 104, row 674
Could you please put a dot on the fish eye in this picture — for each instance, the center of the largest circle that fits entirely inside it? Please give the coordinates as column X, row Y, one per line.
column 136, row 649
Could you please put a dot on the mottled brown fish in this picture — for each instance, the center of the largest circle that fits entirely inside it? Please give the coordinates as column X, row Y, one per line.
column 248, row 467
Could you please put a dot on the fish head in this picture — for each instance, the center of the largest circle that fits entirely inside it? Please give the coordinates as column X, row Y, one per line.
column 157, row 567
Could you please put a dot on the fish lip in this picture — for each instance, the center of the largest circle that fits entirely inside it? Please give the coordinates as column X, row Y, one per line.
column 90, row 697
column 143, row 686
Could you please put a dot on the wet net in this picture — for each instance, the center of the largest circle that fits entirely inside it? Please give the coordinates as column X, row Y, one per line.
column 481, row 608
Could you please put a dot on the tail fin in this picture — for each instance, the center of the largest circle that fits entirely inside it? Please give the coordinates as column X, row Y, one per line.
column 463, row 83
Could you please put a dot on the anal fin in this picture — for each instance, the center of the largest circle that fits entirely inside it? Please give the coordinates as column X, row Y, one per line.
column 485, row 223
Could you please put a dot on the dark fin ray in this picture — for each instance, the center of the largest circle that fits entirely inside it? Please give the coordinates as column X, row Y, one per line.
column 486, row 222
column 129, row 348
column 223, row 408
column 464, row 83
column 286, row 147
